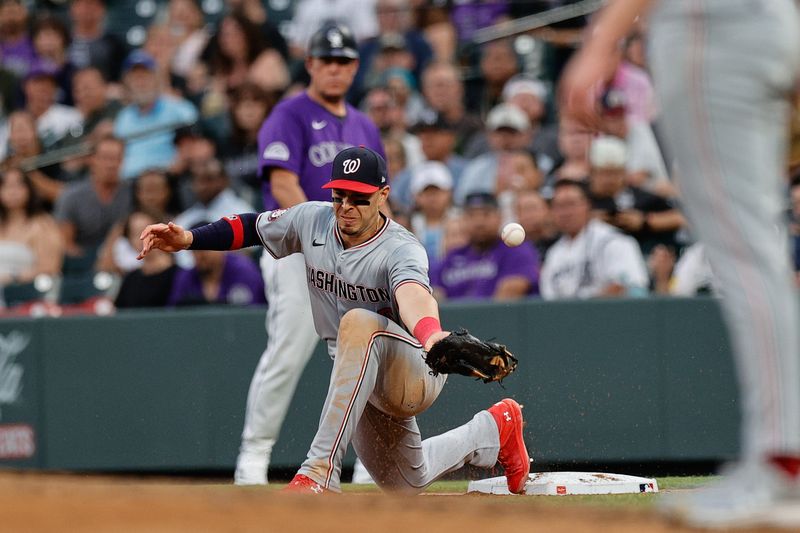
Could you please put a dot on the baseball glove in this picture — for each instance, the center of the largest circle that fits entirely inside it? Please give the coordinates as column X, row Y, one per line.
column 462, row 353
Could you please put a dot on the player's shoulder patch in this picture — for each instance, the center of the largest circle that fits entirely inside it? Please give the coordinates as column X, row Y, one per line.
column 276, row 214
column 276, row 151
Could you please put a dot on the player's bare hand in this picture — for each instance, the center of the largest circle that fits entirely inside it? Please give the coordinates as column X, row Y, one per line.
column 434, row 338
column 661, row 262
column 168, row 237
column 583, row 83
column 604, row 215
column 631, row 220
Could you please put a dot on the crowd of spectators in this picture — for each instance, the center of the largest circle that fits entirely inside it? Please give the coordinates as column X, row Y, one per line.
column 103, row 132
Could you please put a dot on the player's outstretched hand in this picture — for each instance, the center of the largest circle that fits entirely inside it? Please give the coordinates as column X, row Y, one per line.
column 168, row 237
column 583, row 83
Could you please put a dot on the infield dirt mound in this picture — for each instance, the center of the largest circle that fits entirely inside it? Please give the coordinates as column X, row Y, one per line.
column 40, row 502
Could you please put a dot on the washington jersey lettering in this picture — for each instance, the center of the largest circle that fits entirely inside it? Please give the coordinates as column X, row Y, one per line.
column 361, row 277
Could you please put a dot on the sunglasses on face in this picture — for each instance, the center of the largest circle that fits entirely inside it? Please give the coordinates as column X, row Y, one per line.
column 337, row 60
column 352, row 199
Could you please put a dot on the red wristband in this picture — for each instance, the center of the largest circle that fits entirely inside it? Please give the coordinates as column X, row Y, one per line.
column 238, row 231
column 426, row 327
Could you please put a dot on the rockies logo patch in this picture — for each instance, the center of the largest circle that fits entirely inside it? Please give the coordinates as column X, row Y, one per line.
column 276, row 151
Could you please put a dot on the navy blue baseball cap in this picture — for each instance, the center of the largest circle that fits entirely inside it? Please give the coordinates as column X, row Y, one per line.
column 485, row 200
column 358, row 169
column 432, row 120
column 138, row 58
column 42, row 69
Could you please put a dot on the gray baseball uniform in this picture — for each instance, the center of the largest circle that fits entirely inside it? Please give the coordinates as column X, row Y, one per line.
column 379, row 380
column 300, row 136
column 723, row 69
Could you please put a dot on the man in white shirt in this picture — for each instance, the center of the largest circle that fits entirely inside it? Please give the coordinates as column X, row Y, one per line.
column 149, row 122
column 215, row 199
column 53, row 120
column 592, row 258
column 508, row 129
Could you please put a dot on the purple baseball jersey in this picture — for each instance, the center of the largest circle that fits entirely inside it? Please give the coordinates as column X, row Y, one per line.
column 303, row 137
column 241, row 284
column 468, row 273
column 471, row 17
column 18, row 56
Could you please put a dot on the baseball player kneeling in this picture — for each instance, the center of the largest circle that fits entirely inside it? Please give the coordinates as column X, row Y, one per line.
column 371, row 300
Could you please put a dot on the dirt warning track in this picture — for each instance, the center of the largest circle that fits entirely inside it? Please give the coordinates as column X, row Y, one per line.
column 41, row 502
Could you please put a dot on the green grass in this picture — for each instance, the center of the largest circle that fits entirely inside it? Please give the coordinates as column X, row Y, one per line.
column 601, row 500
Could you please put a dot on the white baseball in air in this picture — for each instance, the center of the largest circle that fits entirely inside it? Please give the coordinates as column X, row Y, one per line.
column 512, row 234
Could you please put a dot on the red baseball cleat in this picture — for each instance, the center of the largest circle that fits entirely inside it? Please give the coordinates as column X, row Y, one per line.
column 301, row 484
column 513, row 454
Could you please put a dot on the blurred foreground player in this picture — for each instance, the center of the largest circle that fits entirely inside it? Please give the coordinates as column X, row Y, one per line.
column 724, row 70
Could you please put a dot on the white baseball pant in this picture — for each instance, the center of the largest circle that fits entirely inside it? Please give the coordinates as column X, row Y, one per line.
column 723, row 70
column 291, row 341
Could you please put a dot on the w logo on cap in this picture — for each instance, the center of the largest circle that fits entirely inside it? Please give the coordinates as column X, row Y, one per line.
column 358, row 169
column 335, row 38
column 350, row 166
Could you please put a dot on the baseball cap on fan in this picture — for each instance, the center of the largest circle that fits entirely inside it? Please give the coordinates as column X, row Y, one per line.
column 333, row 40
column 41, row 69
column 358, row 169
column 138, row 58
column 507, row 116
column 431, row 174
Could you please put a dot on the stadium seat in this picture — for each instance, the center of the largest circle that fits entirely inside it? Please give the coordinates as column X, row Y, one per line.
column 78, row 266
column 20, row 293
column 78, row 288
column 129, row 19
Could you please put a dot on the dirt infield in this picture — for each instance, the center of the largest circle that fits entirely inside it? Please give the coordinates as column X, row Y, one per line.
column 38, row 502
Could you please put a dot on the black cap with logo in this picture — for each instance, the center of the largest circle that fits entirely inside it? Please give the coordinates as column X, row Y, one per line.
column 483, row 200
column 333, row 40
column 358, row 169
column 432, row 120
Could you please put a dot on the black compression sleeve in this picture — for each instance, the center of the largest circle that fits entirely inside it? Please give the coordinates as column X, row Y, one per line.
column 228, row 233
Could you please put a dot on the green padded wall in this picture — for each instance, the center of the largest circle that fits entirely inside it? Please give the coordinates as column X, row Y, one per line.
column 634, row 380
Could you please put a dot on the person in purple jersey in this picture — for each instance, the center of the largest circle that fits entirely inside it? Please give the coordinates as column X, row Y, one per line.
column 297, row 143
column 218, row 278
column 303, row 134
column 16, row 48
column 486, row 267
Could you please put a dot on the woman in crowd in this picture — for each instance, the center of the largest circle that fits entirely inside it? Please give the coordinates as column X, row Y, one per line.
column 153, row 193
column 186, row 25
column 148, row 285
column 573, row 143
column 23, row 144
column 238, row 45
column 51, row 40
column 161, row 44
column 30, row 242
column 239, row 54
column 250, row 105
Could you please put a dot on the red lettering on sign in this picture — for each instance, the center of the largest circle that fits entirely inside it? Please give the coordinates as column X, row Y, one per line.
column 561, row 489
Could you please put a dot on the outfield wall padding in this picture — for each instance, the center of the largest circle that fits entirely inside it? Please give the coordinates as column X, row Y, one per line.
column 601, row 381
